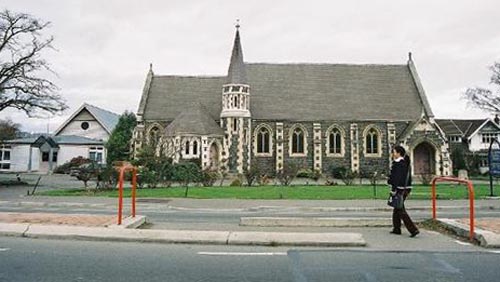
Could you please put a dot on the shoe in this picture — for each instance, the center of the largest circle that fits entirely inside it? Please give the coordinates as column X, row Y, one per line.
column 395, row 232
column 414, row 233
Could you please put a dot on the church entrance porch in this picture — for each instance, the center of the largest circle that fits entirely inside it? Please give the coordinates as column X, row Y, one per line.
column 424, row 161
column 214, row 156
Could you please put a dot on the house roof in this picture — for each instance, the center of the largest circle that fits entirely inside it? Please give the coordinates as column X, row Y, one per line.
column 302, row 92
column 56, row 140
column 107, row 119
column 194, row 120
column 463, row 127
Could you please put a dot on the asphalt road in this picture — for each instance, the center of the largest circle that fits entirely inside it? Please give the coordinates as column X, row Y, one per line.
column 25, row 260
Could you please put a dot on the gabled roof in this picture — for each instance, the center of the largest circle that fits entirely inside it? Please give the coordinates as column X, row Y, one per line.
column 194, row 120
column 301, row 92
column 108, row 120
column 463, row 127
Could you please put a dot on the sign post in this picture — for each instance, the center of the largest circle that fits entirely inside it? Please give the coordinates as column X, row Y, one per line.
column 493, row 163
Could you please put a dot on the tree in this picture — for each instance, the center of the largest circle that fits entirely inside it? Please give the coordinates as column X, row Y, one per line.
column 484, row 98
column 22, row 82
column 8, row 129
column 252, row 174
column 287, row 174
column 119, row 142
column 185, row 173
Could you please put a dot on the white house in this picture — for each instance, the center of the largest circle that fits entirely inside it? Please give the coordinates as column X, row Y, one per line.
column 84, row 134
column 474, row 135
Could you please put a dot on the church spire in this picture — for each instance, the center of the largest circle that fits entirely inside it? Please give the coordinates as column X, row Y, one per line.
column 237, row 72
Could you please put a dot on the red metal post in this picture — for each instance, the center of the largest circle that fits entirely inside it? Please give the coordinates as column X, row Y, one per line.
column 471, row 211
column 134, row 186
column 470, row 187
column 120, row 196
column 434, row 198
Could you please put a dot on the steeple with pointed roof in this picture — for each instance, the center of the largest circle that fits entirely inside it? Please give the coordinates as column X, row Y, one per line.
column 237, row 73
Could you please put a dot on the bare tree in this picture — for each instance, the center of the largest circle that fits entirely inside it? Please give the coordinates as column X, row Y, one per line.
column 8, row 129
column 484, row 98
column 22, row 85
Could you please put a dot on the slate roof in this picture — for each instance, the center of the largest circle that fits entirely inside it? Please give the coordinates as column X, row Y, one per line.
column 58, row 140
column 107, row 119
column 462, row 127
column 194, row 120
column 298, row 92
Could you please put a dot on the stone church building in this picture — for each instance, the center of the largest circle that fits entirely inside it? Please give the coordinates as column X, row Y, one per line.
column 318, row 115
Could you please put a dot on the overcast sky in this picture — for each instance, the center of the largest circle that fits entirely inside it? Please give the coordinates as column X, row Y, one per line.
column 105, row 47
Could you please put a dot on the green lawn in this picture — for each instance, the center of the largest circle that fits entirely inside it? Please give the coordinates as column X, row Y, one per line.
column 444, row 191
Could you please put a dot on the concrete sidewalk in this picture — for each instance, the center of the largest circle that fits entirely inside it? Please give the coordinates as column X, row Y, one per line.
column 337, row 239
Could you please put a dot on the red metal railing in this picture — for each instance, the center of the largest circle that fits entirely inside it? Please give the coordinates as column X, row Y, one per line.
column 471, row 199
column 124, row 169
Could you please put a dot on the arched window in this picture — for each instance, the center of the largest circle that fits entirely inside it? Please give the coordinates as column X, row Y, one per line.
column 235, row 125
column 187, row 148
column 263, row 140
column 298, row 141
column 372, row 141
column 335, row 142
column 195, row 148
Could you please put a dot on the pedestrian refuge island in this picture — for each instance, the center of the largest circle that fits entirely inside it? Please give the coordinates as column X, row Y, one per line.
column 470, row 188
column 122, row 170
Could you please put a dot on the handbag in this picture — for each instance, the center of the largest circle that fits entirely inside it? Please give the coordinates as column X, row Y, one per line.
column 396, row 201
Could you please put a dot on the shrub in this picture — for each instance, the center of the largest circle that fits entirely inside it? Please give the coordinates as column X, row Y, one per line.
column 287, row 173
column 426, row 178
column 263, row 179
column 345, row 174
column 304, row 173
column 315, row 175
column 72, row 164
column 236, row 182
column 252, row 174
column 209, row 177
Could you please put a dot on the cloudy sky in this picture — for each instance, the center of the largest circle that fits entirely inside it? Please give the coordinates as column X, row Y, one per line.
column 105, row 47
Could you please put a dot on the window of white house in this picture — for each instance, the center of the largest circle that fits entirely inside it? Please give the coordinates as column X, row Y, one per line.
column 335, row 142
column 488, row 137
column 263, row 140
column 298, row 141
column 455, row 138
column 96, row 154
column 372, row 142
column 5, row 157
column 85, row 125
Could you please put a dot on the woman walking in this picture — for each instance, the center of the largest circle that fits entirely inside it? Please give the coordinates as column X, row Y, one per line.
column 400, row 181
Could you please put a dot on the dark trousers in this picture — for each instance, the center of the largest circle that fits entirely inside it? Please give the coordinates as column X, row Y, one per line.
column 401, row 214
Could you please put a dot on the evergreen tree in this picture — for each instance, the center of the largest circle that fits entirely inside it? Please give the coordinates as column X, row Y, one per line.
column 120, row 141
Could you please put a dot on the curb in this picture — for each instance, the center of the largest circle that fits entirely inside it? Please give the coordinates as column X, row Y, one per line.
column 315, row 222
column 485, row 238
column 130, row 222
column 182, row 236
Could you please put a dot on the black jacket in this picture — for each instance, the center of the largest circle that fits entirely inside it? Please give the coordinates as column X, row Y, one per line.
column 400, row 176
